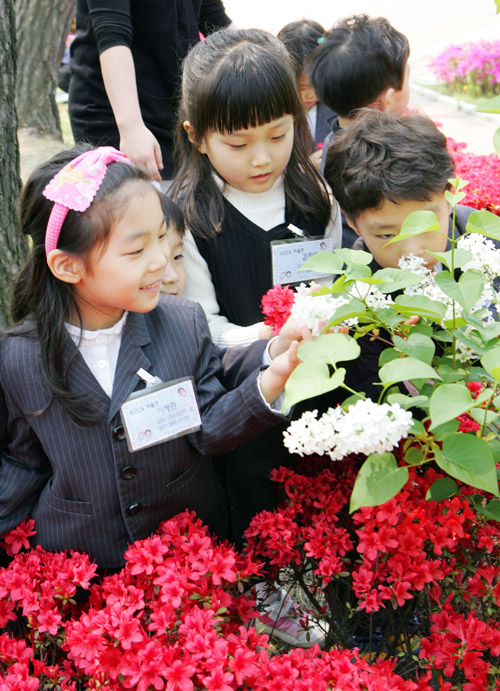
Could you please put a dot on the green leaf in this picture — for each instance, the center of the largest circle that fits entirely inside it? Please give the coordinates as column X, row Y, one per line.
column 471, row 284
column 496, row 141
column 378, row 480
column 417, row 428
column 466, row 291
column 442, row 431
column 408, row 402
column 416, row 223
column 395, row 279
column 354, row 256
column 480, row 415
column 421, row 306
column 469, row 459
column 404, row 369
column 491, row 510
column 354, row 308
column 414, row 455
column 450, row 375
column 459, row 258
column 330, row 348
column 454, row 198
column 493, row 105
column 323, row 262
column 442, row 489
column 387, row 355
column 311, row 379
column 491, row 362
column 357, row 271
column 447, row 402
column 417, row 345
column 484, row 222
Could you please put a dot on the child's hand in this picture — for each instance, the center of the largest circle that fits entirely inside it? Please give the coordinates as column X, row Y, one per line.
column 274, row 378
column 290, row 331
column 265, row 331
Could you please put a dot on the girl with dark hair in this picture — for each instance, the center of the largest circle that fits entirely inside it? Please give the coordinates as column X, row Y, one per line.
column 301, row 40
column 98, row 454
column 245, row 180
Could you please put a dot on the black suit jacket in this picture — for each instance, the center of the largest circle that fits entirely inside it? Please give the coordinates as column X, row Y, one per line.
column 82, row 486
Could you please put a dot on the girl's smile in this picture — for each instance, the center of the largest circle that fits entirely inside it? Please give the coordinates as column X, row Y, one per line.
column 251, row 160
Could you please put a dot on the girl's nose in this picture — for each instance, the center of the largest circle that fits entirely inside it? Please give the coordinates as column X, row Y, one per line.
column 158, row 261
column 260, row 156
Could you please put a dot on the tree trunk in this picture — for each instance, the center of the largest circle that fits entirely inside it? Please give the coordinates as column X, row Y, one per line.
column 42, row 27
column 12, row 244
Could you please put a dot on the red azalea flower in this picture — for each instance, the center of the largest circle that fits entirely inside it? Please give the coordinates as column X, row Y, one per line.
column 277, row 305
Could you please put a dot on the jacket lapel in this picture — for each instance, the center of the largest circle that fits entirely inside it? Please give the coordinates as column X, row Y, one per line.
column 81, row 378
column 130, row 358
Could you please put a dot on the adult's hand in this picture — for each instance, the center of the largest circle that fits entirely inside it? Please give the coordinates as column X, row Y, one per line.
column 142, row 147
column 136, row 140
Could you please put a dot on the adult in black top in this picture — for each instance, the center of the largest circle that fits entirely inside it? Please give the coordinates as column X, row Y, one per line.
column 125, row 72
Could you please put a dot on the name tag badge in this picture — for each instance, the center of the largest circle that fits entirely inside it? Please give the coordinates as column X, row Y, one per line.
column 160, row 413
column 288, row 256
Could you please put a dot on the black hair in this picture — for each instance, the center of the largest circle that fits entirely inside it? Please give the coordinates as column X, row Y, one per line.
column 301, row 39
column 41, row 300
column 387, row 157
column 172, row 214
column 236, row 80
column 359, row 59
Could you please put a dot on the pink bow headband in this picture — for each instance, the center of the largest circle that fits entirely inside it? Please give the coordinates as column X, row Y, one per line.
column 75, row 186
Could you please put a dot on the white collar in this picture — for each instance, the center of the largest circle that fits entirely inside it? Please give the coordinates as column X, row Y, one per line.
column 89, row 336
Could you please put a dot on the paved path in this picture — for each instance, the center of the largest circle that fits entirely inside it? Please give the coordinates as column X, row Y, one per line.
column 431, row 26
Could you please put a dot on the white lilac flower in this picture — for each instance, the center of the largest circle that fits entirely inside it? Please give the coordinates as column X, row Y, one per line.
column 371, row 295
column 366, row 427
column 484, row 255
column 310, row 310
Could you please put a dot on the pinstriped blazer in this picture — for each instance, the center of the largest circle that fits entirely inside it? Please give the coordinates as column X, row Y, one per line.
column 82, row 486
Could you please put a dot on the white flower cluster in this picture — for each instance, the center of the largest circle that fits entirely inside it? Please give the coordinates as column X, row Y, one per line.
column 366, row 427
column 485, row 257
column 311, row 310
column 371, row 295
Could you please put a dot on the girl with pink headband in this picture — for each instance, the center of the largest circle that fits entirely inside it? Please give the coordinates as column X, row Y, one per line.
column 101, row 445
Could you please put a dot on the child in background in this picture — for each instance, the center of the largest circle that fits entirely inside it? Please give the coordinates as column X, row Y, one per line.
column 93, row 331
column 244, row 176
column 382, row 168
column 363, row 62
column 301, row 39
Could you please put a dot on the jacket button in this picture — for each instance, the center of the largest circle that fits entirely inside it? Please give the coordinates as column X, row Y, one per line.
column 119, row 433
column 128, row 472
column 133, row 509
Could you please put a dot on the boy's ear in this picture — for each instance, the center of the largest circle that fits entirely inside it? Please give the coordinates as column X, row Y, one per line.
column 384, row 101
column 65, row 267
column 190, row 133
column 352, row 224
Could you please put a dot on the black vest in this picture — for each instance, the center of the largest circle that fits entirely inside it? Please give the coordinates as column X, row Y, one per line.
column 239, row 260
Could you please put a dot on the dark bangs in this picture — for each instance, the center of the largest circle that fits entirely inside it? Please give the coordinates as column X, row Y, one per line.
column 246, row 90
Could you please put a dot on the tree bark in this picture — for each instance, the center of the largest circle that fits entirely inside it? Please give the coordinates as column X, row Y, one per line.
column 42, row 27
column 12, row 244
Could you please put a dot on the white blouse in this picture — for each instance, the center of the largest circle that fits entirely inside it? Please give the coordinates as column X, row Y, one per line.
column 100, row 350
